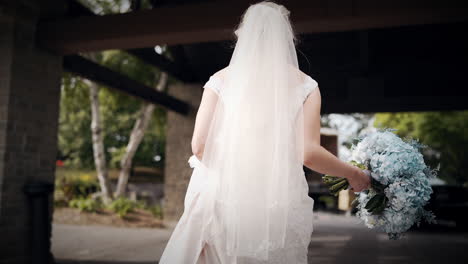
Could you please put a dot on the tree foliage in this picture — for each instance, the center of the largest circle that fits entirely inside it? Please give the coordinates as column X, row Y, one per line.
column 445, row 134
column 118, row 111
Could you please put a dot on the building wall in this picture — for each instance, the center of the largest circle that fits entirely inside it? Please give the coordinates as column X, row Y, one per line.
column 29, row 108
column 178, row 150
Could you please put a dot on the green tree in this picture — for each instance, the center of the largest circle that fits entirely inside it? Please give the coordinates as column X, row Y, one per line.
column 74, row 136
column 445, row 134
column 119, row 112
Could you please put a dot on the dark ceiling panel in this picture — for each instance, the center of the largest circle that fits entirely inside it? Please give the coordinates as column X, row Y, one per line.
column 404, row 68
column 208, row 21
column 207, row 58
column 411, row 68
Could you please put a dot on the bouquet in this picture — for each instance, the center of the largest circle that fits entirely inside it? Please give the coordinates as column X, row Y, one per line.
column 400, row 185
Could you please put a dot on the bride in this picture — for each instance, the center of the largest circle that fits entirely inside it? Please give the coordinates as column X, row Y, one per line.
column 258, row 124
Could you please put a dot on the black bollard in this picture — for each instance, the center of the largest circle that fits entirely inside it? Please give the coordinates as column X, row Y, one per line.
column 38, row 194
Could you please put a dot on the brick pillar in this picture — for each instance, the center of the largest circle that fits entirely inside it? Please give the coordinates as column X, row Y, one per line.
column 178, row 151
column 29, row 108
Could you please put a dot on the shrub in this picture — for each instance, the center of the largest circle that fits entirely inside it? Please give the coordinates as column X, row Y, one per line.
column 156, row 210
column 122, row 206
column 85, row 204
column 141, row 204
column 76, row 187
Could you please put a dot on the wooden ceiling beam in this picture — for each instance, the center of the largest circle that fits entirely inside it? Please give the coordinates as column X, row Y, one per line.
column 215, row 21
column 148, row 55
column 95, row 72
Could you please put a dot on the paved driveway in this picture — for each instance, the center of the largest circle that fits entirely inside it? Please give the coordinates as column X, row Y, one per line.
column 336, row 239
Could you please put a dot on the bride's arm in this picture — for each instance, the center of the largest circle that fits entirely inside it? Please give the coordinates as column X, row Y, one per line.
column 202, row 121
column 317, row 157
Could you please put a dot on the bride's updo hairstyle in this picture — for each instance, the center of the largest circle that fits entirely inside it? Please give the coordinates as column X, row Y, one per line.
column 262, row 13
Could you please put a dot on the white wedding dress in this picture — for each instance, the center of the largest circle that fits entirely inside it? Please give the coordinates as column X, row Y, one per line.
column 187, row 245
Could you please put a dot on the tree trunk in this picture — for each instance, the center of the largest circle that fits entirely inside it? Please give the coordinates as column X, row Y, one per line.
column 136, row 137
column 98, row 143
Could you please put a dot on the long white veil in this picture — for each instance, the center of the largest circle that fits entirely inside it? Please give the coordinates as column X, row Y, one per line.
column 254, row 148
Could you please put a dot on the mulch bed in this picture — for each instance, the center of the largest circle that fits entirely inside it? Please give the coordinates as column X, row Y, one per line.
column 137, row 218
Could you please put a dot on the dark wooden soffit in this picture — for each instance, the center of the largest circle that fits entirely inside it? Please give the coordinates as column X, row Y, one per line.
column 148, row 55
column 215, row 21
column 93, row 71
column 398, row 104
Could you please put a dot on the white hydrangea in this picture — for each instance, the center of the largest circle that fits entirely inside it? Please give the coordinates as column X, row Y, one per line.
column 400, row 167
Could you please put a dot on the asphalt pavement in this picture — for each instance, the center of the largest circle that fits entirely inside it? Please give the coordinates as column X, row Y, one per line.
column 336, row 239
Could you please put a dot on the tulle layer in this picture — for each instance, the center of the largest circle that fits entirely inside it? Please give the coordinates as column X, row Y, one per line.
column 298, row 230
column 254, row 148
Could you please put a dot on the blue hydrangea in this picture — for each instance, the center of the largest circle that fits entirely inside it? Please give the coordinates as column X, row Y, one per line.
column 399, row 165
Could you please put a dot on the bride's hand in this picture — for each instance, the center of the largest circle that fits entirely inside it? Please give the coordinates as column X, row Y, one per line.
column 359, row 181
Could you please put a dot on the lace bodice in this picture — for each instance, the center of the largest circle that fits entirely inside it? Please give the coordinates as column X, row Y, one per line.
column 215, row 83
